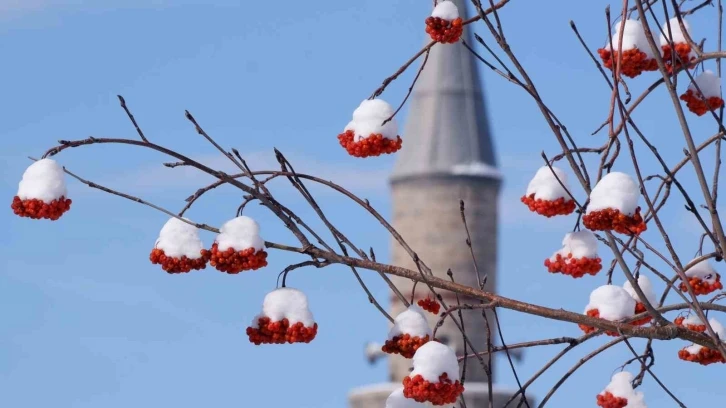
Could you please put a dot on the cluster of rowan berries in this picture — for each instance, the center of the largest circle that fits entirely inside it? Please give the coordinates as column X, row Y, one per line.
column 634, row 61
column 430, row 305
column 640, row 308
column 405, row 345
column 233, row 262
column 373, row 145
column 611, row 219
column 178, row 265
column 37, row 209
column 683, row 57
column 700, row 106
column 695, row 327
column 444, row 31
column 549, row 208
column 575, row 267
column 608, row 400
column 702, row 287
column 589, row 329
column 440, row 393
column 705, row 356
column 280, row 332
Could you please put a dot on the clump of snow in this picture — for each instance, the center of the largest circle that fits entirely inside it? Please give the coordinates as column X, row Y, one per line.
column 718, row 329
column 412, row 321
column 621, row 386
column 616, row 190
column 544, row 184
column 368, row 120
column 434, row 359
column 646, row 286
column 446, row 10
column 43, row 180
column 633, row 37
column 693, row 320
column 703, row 271
column 239, row 234
column 581, row 244
column 398, row 400
column 286, row 303
column 612, row 302
column 708, row 83
column 177, row 239
column 676, row 32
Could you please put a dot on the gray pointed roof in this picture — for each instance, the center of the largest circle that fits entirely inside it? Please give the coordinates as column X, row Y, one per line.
column 447, row 130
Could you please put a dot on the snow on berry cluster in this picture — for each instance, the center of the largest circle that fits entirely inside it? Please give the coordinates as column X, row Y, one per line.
column 238, row 247
column 702, row 278
column 609, row 302
column 179, row 248
column 430, row 305
column 42, row 192
column 366, row 135
column 637, row 56
column 546, row 195
column 435, row 375
column 703, row 94
column 614, row 206
column 577, row 257
column 410, row 331
column 620, row 393
column 444, row 25
column 704, row 355
column 684, row 55
column 285, row 318
column 691, row 322
column 647, row 288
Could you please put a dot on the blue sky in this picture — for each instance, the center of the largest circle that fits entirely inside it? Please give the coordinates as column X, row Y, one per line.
column 87, row 321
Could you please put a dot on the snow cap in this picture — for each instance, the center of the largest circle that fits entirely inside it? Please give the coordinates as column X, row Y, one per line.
column 544, row 184
column 646, row 286
column 621, row 386
column 411, row 321
column 43, row 180
column 616, row 190
column 676, row 32
column 702, row 270
column 693, row 320
column 581, row 244
column 708, row 83
column 433, row 359
column 177, row 239
column 368, row 120
column 718, row 328
column 286, row 303
column 612, row 302
column 446, row 10
column 633, row 37
column 239, row 234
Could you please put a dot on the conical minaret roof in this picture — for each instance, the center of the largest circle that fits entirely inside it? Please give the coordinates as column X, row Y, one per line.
column 447, row 131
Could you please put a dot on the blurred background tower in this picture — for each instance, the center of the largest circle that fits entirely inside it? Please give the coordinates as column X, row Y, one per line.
column 447, row 156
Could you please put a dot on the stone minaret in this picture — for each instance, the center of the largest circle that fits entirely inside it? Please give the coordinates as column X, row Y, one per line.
column 447, row 156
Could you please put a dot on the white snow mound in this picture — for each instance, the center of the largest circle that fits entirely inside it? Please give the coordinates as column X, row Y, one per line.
column 621, row 386
column 446, row 10
column 708, row 83
column 616, row 190
column 633, row 37
column 718, row 328
column 368, row 119
column 412, row 321
column 286, row 303
column 612, row 302
column 676, row 32
column 434, row 359
column 581, row 244
column 693, row 320
column 43, row 180
column 702, row 270
column 177, row 239
column 646, row 286
column 544, row 184
column 239, row 234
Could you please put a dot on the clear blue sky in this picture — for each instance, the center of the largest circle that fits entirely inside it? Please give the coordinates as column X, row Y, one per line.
column 87, row 321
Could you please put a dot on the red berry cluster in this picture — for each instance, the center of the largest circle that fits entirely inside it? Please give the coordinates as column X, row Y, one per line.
column 575, row 267
column 405, row 345
column 705, row 356
column 698, row 105
column 549, row 208
column 178, row 265
column 588, row 329
column 612, row 219
column 280, row 332
column 640, row 308
column 430, row 305
column 695, row 327
column 634, row 61
column 444, row 31
column 233, row 262
column 702, row 287
column 37, row 209
column 608, row 400
column 373, row 145
column 443, row 392
column 683, row 59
